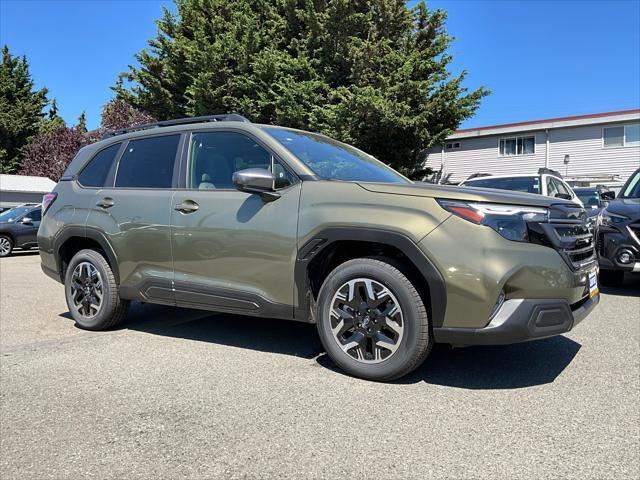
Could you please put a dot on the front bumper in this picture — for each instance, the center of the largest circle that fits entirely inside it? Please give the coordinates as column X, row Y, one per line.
column 520, row 320
column 611, row 243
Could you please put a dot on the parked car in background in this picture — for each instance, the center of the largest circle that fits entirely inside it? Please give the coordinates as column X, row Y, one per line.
column 618, row 234
column 594, row 199
column 280, row 223
column 547, row 182
column 19, row 228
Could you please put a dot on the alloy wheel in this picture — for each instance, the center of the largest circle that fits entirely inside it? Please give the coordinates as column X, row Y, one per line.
column 5, row 246
column 366, row 320
column 86, row 289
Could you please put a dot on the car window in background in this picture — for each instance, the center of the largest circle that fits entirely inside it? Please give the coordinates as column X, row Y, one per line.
column 333, row 160
column 518, row 184
column 95, row 172
column 13, row 214
column 148, row 163
column 590, row 198
column 633, row 188
column 561, row 187
column 35, row 215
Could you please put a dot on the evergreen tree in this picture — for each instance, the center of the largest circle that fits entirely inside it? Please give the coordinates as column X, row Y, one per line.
column 369, row 72
column 52, row 121
column 21, row 109
column 82, row 122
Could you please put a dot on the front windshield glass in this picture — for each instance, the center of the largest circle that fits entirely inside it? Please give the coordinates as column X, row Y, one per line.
column 589, row 198
column 633, row 187
column 333, row 160
column 518, row 184
column 11, row 215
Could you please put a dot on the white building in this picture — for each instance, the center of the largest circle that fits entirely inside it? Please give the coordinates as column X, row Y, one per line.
column 597, row 145
column 18, row 189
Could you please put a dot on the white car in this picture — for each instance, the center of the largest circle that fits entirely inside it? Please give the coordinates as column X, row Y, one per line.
column 546, row 184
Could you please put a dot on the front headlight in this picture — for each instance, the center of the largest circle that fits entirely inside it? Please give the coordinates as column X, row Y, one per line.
column 510, row 221
column 608, row 219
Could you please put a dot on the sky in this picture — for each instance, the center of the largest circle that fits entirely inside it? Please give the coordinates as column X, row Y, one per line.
column 540, row 59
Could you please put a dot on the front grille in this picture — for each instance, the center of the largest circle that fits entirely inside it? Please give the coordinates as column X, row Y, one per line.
column 568, row 232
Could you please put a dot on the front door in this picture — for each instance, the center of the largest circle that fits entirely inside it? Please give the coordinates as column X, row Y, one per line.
column 232, row 251
column 27, row 228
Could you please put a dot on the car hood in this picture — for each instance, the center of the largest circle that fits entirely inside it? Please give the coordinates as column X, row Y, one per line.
column 468, row 194
column 629, row 207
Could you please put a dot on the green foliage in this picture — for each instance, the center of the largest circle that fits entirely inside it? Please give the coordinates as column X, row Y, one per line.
column 52, row 121
column 21, row 109
column 370, row 73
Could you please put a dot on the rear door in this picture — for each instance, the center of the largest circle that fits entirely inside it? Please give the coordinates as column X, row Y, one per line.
column 233, row 251
column 133, row 212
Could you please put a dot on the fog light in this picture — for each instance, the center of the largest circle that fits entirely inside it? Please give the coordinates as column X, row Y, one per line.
column 498, row 304
column 625, row 257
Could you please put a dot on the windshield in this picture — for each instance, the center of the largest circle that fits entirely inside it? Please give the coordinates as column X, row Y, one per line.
column 11, row 215
column 632, row 188
column 589, row 198
column 518, row 184
column 333, row 160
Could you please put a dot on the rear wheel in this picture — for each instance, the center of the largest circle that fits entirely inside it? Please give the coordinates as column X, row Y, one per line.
column 612, row 278
column 92, row 293
column 6, row 246
column 372, row 321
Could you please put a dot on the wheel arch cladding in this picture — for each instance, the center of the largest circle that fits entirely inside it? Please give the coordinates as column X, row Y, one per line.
column 318, row 256
column 73, row 239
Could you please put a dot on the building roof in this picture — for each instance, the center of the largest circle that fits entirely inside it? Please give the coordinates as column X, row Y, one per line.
column 559, row 122
column 26, row 183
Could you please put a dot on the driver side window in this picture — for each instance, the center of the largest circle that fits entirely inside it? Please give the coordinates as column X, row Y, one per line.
column 215, row 156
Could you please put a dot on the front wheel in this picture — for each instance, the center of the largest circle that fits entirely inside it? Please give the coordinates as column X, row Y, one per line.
column 6, row 246
column 372, row 321
column 92, row 293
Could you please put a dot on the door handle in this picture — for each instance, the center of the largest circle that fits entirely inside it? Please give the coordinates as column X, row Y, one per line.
column 188, row 206
column 106, row 202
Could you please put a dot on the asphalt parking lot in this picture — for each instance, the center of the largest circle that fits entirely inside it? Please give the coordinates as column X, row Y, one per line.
column 187, row 394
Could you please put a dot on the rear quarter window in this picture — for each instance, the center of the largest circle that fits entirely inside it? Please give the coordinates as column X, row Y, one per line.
column 95, row 173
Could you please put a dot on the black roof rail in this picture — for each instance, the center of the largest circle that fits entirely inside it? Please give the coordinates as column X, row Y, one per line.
column 227, row 117
column 548, row 171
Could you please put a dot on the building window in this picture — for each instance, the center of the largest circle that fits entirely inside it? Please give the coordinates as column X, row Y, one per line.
column 517, row 146
column 621, row 136
column 452, row 146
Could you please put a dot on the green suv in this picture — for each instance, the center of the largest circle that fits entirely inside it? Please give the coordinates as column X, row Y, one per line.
column 220, row 214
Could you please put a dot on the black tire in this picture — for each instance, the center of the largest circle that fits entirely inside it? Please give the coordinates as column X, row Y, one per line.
column 112, row 308
column 7, row 246
column 416, row 341
column 611, row 278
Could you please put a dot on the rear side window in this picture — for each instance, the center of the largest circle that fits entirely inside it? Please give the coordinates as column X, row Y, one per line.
column 96, row 171
column 148, row 163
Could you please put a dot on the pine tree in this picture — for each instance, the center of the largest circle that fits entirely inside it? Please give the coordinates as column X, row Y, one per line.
column 82, row 122
column 371, row 72
column 21, row 109
column 52, row 121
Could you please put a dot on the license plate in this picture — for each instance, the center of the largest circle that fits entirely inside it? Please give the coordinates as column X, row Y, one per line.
column 593, row 283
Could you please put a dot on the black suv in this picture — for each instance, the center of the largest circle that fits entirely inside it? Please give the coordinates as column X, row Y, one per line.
column 19, row 228
column 618, row 238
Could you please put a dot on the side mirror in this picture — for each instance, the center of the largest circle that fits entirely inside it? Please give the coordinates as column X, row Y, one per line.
column 608, row 195
column 26, row 220
column 564, row 196
column 256, row 180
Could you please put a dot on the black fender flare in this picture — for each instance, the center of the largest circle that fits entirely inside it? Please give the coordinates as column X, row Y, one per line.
column 97, row 236
column 325, row 237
